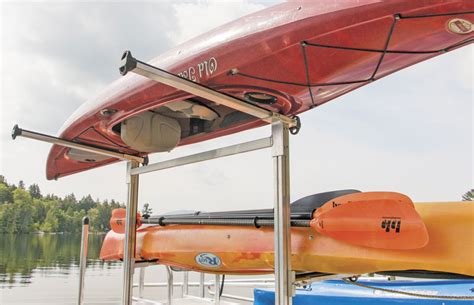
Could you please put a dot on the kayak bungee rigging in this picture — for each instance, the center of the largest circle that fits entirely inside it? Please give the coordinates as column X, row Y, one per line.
column 346, row 232
column 301, row 214
column 384, row 220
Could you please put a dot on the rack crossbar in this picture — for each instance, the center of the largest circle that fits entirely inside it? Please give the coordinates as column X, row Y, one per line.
column 131, row 64
column 19, row 132
column 204, row 156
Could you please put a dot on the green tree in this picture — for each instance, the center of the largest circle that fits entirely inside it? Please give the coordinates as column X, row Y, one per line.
column 76, row 225
column 94, row 219
column 7, row 218
column 146, row 211
column 71, row 202
column 469, row 196
column 103, row 216
column 35, row 191
column 21, row 196
column 24, row 218
column 51, row 223
column 86, row 203
column 40, row 211
column 6, row 195
column 23, row 211
column 21, row 184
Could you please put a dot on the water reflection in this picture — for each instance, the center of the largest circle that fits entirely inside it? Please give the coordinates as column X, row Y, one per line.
column 21, row 255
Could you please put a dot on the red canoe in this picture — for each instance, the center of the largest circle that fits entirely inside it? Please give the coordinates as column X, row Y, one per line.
column 289, row 58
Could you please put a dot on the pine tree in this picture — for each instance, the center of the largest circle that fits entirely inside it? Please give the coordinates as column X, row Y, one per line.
column 469, row 196
column 35, row 191
column 146, row 211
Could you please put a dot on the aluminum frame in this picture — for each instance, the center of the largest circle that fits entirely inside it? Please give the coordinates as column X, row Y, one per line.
column 279, row 141
column 170, row 285
column 83, row 258
column 205, row 156
column 284, row 277
column 19, row 132
column 131, row 64
column 130, row 234
column 217, row 284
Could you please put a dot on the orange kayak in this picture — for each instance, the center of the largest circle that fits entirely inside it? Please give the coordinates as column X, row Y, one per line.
column 248, row 250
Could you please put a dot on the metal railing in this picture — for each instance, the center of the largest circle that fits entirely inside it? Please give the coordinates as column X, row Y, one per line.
column 83, row 258
column 211, row 287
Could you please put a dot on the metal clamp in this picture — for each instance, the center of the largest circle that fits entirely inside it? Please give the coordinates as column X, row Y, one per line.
column 295, row 129
column 128, row 63
column 16, row 131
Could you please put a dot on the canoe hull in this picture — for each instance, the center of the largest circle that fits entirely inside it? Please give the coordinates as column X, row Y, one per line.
column 279, row 51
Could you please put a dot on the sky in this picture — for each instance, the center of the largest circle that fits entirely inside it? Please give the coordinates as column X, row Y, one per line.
column 411, row 132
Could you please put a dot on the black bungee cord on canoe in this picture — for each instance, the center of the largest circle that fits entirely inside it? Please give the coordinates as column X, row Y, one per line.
column 373, row 77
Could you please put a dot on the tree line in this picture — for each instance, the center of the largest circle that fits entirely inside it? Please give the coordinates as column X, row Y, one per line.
column 26, row 210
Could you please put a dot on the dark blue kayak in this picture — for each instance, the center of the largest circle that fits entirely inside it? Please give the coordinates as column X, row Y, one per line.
column 337, row 292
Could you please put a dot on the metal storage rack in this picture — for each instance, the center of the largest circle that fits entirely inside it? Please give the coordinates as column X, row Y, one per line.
column 279, row 142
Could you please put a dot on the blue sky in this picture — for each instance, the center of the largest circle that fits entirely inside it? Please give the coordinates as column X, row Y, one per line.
column 410, row 132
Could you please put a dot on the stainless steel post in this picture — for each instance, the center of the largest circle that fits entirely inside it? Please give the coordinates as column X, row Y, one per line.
column 185, row 283
column 83, row 258
column 141, row 282
column 130, row 234
column 202, row 291
column 283, row 274
column 217, row 295
column 170, row 285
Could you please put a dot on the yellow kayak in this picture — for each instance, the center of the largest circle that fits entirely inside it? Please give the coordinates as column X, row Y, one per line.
column 248, row 250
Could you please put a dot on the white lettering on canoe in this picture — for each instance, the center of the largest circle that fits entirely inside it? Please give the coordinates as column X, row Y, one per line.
column 202, row 70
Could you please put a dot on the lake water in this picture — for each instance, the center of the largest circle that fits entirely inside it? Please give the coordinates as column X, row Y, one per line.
column 44, row 269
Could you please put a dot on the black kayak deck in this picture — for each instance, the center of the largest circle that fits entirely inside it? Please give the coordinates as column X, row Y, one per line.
column 300, row 209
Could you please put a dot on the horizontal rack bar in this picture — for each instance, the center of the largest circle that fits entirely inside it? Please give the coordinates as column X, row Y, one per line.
column 131, row 64
column 19, row 132
column 196, row 284
column 204, row 156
